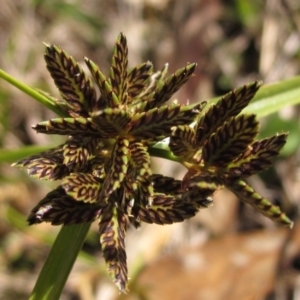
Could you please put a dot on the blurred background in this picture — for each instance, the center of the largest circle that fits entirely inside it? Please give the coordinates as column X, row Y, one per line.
column 228, row 251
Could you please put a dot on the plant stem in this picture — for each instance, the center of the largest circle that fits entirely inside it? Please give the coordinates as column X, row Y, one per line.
column 12, row 155
column 59, row 262
column 32, row 93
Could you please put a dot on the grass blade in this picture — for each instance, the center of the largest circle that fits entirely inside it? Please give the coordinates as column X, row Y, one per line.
column 32, row 93
column 273, row 97
column 59, row 262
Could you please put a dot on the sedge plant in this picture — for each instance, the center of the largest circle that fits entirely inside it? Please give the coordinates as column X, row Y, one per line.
column 114, row 123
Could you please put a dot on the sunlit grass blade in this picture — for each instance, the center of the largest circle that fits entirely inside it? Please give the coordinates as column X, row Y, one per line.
column 13, row 155
column 35, row 94
column 273, row 97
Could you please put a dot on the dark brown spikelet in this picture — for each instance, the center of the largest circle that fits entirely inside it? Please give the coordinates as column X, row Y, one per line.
column 171, row 85
column 53, row 152
column 230, row 140
column 140, row 171
column 47, row 165
column 68, row 126
column 235, row 101
column 229, row 106
column 118, row 70
column 247, row 194
column 47, row 169
column 138, row 79
column 58, row 208
column 83, row 187
column 199, row 195
column 157, row 123
column 118, row 169
column 168, row 209
column 258, row 157
column 74, row 86
column 39, row 212
column 165, row 184
column 111, row 121
column 104, row 86
column 77, row 152
column 96, row 166
column 112, row 229
column 182, row 141
column 142, row 101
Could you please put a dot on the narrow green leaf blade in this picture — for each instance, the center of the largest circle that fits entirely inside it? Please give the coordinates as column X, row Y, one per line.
column 36, row 95
column 272, row 98
column 62, row 256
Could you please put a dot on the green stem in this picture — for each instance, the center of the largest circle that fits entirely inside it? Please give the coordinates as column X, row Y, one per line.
column 12, row 155
column 160, row 150
column 59, row 262
column 32, row 93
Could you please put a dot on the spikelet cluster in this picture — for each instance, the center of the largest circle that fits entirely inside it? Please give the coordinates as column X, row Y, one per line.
column 104, row 166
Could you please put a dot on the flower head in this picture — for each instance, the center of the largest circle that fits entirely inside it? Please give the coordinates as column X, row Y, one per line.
column 104, row 166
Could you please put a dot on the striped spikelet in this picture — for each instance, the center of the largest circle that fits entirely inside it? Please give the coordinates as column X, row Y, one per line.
column 111, row 120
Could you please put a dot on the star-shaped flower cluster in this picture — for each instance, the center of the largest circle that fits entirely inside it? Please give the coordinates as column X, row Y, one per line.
column 104, row 166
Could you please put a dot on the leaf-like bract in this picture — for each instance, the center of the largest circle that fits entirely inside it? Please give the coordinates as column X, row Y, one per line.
column 138, row 80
